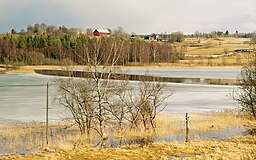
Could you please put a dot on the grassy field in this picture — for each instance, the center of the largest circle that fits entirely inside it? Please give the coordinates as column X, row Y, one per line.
column 207, row 54
column 243, row 147
column 217, row 49
column 230, row 61
column 223, row 40
column 216, row 46
column 61, row 144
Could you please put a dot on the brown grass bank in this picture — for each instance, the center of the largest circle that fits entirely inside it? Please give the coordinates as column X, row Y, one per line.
column 31, row 136
column 243, row 147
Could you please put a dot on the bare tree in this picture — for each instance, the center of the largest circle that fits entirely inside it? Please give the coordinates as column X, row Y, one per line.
column 76, row 95
column 151, row 98
column 141, row 106
column 153, row 50
column 118, row 103
column 96, row 101
column 137, row 107
column 88, row 99
column 97, row 57
column 245, row 95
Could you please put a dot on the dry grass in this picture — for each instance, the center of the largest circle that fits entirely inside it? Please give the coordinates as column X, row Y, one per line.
column 199, row 122
column 217, row 50
column 30, row 69
column 170, row 125
column 218, row 45
column 236, row 148
column 226, row 40
column 61, row 145
column 26, row 137
column 30, row 137
column 237, row 60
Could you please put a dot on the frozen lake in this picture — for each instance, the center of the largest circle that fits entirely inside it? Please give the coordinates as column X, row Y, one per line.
column 23, row 95
column 224, row 73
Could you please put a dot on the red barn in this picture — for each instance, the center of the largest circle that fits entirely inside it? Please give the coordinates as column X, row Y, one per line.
column 101, row 32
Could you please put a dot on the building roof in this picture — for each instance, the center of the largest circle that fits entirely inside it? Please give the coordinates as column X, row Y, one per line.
column 102, row 30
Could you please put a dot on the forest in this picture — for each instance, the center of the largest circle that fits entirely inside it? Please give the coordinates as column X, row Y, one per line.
column 51, row 46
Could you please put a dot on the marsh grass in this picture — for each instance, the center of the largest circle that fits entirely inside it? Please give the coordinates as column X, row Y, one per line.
column 199, row 122
column 30, row 137
column 236, row 148
column 251, row 154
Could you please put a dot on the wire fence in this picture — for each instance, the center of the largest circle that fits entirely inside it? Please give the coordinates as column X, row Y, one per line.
column 27, row 85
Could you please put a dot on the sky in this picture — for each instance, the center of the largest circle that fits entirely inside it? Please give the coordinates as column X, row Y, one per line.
column 138, row 16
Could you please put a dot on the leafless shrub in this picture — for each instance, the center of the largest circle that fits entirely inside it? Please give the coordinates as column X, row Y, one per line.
column 245, row 95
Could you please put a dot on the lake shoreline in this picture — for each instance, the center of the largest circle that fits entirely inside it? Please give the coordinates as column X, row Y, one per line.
column 32, row 68
column 136, row 77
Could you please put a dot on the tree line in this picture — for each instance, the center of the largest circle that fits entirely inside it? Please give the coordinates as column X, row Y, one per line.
column 33, row 49
column 221, row 34
column 172, row 37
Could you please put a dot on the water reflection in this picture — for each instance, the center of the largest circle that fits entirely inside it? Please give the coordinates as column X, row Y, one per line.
column 132, row 77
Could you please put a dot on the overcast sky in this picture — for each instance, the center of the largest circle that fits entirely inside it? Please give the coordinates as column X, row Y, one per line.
column 139, row 16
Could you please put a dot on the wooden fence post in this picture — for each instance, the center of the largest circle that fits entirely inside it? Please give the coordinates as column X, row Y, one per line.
column 46, row 116
column 187, row 127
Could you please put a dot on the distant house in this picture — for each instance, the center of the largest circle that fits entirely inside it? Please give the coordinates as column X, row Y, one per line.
column 101, row 32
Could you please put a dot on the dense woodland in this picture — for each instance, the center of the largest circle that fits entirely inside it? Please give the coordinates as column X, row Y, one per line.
column 53, row 46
